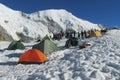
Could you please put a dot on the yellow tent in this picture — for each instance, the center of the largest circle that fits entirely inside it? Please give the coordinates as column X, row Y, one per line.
column 96, row 33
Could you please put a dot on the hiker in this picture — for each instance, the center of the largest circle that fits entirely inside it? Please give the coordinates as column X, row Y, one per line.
column 78, row 34
column 59, row 35
column 62, row 33
column 74, row 33
column 66, row 34
column 82, row 34
column 54, row 36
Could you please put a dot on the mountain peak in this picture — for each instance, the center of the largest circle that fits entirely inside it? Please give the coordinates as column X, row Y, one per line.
column 40, row 23
column 64, row 18
column 55, row 10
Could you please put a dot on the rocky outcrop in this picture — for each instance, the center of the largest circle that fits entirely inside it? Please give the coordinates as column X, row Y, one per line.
column 4, row 35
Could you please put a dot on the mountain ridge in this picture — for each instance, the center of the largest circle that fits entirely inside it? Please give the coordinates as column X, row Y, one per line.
column 38, row 24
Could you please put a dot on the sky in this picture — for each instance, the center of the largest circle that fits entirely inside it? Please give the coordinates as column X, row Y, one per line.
column 106, row 12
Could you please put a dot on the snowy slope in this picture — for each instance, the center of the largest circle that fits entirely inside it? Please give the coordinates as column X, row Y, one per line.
column 100, row 61
column 63, row 19
column 40, row 23
column 15, row 21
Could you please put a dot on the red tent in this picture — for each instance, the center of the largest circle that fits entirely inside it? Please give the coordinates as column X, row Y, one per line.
column 32, row 56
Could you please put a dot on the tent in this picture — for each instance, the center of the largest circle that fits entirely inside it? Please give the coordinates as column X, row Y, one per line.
column 32, row 56
column 68, row 43
column 96, row 33
column 46, row 38
column 47, row 46
column 73, row 42
column 16, row 45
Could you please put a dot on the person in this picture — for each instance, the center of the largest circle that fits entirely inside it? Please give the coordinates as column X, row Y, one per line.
column 74, row 33
column 67, row 34
column 62, row 33
column 82, row 34
column 78, row 34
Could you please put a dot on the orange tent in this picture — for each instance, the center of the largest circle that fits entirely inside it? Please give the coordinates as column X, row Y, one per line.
column 32, row 56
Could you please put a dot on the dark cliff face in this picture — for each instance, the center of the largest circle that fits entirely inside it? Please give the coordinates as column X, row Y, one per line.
column 4, row 35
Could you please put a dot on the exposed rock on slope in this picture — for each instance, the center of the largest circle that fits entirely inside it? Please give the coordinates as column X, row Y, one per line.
column 4, row 35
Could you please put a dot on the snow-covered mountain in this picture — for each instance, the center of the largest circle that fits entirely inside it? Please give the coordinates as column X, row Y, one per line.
column 17, row 24
column 61, row 20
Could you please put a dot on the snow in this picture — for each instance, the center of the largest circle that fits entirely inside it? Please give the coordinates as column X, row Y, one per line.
column 65, row 19
column 40, row 23
column 99, row 61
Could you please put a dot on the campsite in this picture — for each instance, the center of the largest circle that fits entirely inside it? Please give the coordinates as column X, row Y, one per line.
column 100, row 60
column 58, row 43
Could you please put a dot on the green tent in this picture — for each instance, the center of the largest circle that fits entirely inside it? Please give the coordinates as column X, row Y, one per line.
column 16, row 45
column 46, row 38
column 68, row 43
column 73, row 42
column 47, row 46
